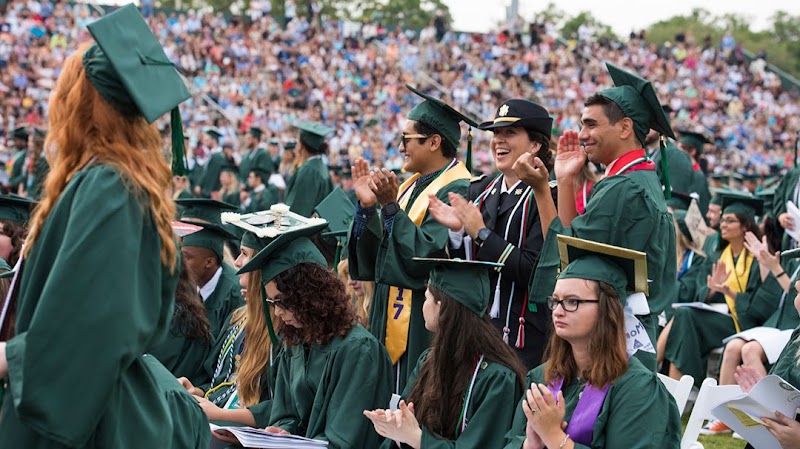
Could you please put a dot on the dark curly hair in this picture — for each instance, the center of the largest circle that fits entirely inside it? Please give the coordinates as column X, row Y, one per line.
column 318, row 299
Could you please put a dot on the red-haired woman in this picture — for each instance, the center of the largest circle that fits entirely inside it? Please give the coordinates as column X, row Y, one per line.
column 97, row 286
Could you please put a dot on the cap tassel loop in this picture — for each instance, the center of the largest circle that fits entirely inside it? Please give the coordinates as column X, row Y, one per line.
column 495, row 311
column 468, row 162
column 178, row 154
column 272, row 337
column 520, row 344
column 662, row 143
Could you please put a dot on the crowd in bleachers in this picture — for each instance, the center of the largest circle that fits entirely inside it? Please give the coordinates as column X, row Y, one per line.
column 251, row 71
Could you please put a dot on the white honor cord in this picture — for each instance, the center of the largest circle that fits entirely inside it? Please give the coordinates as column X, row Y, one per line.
column 520, row 202
column 469, row 393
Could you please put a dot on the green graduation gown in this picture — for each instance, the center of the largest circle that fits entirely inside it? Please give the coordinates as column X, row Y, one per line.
column 209, row 181
column 322, row 391
column 688, row 282
column 786, row 366
column 785, row 315
column 95, row 266
column 17, row 170
column 695, row 333
column 787, row 190
column 263, row 200
column 226, row 298
column 255, row 158
column 489, row 413
column 638, row 412
column 308, row 186
column 232, row 198
column 629, row 211
column 189, row 420
column 386, row 259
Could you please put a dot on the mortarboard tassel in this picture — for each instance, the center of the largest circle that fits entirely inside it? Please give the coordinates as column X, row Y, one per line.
column 178, row 153
column 662, row 143
column 272, row 337
column 495, row 312
column 520, row 344
column 337, row 256
column 468, row 162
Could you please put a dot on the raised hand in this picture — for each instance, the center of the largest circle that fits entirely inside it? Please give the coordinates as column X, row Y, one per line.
column 571, row 156
column 361, row 183
column 468, row 213
column 384, row 185
column 531, row 170
column 399, row 425
column 746, row 377
column 444, row 213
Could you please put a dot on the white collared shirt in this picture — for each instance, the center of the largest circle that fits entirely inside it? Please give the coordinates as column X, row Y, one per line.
column 211, row 285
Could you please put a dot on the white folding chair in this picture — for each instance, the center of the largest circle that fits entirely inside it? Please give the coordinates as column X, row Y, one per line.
column 679, row 389
column 710, row 396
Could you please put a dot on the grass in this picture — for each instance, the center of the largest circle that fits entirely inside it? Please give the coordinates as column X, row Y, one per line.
column 717, row 441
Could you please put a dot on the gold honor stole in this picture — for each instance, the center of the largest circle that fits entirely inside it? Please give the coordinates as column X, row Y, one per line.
column 398, row 314
column 736, row 281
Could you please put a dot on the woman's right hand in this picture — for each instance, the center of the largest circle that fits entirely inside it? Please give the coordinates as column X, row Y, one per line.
column 719, row 274
column 531, row 170
column 746, row 377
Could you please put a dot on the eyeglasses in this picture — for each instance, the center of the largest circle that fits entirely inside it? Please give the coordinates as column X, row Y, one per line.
column 272, row 301
column 404, row 138
column 569, row 304
column 729, row 221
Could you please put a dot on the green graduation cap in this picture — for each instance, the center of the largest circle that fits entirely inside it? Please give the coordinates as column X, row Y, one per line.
column 232, row 168
column 15, row 208
column 623, row 269
column 444, row 119
column 290, row 145
column 679, row 201
column 20, row 133
column 338, row 210
column 313, row 133
column 286, row 251
column 741, row 203
column 40, row 133
column 210, row 237
column 768, row 195
column 262, row 168
column 205, row 212
column 214, row 132
column 130, row 70
column 466, row 281
column 638, row 101
column 256, row 132
column 274, row 141
column 695, row 139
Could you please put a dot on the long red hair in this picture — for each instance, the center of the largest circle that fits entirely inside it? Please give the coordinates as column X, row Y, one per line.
column 84, row 127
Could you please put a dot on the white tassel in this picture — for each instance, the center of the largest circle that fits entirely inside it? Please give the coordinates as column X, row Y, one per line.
column 495, row 312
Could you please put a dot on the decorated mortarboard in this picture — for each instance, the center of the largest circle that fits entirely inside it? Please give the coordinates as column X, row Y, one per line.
column 524, row 113
column 20, row 132
column 214, row 132
column 444, row 119
column 466, row 281
column 338, row 210
column 256, row 132
column 638, row 101
column 623, row 269
column 130, row 70
column 182, row 229
column 695, row 139
column 313, row 133
column 16, row 208
column 289, row 244
column 743, row 204
column 206, row 213
column 680, row 219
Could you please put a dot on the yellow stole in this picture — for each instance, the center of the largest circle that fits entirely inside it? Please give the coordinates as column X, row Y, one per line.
column 398, row 314
column 737, row 279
